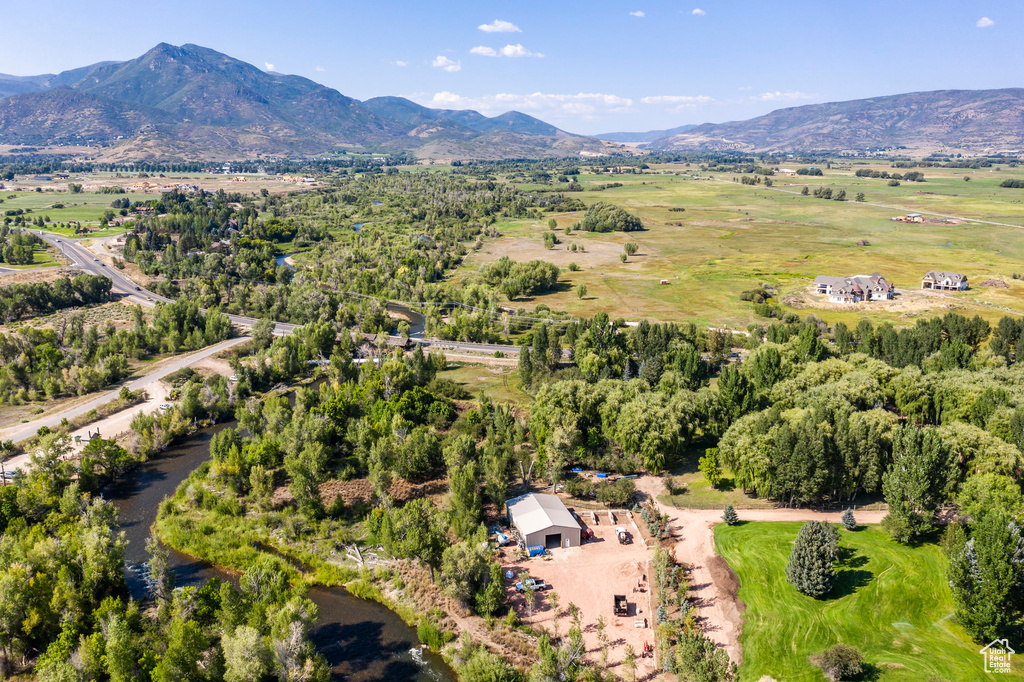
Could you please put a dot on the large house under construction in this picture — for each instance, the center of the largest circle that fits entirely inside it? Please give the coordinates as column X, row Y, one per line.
column 944, row 281
column 854, row 289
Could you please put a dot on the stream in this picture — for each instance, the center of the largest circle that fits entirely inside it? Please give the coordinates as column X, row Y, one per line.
column 362, row 640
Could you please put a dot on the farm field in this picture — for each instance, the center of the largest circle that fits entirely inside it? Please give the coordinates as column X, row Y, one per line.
column 890, row 601
column 733, row 237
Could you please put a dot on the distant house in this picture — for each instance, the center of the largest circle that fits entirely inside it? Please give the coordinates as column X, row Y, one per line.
column 944, row 281
column 854, row 289
column 909, row 218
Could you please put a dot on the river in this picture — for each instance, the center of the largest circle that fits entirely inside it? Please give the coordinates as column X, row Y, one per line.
column 361, row 640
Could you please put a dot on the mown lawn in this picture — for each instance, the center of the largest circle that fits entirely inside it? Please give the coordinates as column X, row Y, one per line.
column 890, row 601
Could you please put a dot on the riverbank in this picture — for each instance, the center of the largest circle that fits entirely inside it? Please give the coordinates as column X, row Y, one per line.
column 326, row 556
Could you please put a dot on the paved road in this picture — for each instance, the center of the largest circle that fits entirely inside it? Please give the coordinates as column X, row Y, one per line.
column 84, row 260
column 23, row 431
column 87, row 262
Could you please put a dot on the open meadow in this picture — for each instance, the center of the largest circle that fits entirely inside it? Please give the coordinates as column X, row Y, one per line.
column 732, row 237
column 890, row 601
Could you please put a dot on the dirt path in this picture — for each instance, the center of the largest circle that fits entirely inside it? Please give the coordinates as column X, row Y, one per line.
column 713, row 584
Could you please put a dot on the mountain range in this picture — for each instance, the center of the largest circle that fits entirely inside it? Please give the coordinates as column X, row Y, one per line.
column 191, row 102
column 194, row 102
column 972, row 121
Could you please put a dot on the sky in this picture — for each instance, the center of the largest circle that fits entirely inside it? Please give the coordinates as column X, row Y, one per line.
column 588, row 67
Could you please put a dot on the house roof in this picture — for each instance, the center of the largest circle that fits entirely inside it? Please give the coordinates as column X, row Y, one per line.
column 535, row 512
column 939, row 276
column 874, row 281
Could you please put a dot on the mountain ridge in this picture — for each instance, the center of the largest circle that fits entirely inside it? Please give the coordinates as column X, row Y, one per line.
column 969, row 120
column 191, row 95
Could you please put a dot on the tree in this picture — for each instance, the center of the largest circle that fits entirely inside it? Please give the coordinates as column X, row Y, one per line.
column 849, row 523
column 860, row 196
column 622, row 257
column 986, row 574
column 247, row 655
column 631, row 248
column 701, row 661
column 811, row 562
column 525, row 366
column 917, row 481
column 840, row 662
column 710, row 467
column 730, row 517
column 552, row 223
column 581, row 290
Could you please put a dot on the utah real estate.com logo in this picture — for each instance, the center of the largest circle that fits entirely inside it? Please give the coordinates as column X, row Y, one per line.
column 997, row 656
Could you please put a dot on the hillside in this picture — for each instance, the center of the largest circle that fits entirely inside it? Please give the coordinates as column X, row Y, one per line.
column 649, row 136
column 968, row 120
column 194, row 102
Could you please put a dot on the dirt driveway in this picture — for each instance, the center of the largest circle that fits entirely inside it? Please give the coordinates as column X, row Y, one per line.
column 713, row 584
column 589, row 576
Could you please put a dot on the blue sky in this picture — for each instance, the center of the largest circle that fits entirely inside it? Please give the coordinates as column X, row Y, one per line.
column 587, row 67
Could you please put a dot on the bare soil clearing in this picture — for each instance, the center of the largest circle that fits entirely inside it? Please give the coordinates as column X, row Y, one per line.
column 589, row 576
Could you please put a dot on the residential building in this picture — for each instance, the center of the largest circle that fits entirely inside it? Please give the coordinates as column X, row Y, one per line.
column 944, row 281
column 854, row 289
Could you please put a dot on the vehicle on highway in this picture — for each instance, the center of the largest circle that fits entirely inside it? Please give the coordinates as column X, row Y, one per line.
column 138, row 288
column 103, row 265
column 95, row 260
column 58, row 241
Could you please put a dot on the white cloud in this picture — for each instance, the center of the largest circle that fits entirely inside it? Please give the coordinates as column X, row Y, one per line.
column 570, row 108
column 270, row 67
column 484, row 51
column 400, row 63
column 320, row 68
column 518, row 50
column 638, row 13
column 698, row 12
column 745, row 87
column 499, row 26
column 778, row 96
column 448, row 65
column 985, row 22
column 677, row 99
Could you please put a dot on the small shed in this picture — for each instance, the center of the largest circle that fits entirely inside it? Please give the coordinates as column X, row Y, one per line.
column 543, row 520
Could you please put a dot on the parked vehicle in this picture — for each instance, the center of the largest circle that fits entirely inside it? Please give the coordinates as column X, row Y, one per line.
column 624, row 537
column 537, row 585
column 621, row 605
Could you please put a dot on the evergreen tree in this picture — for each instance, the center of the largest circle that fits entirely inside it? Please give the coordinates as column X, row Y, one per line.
column 849, row 523
column 525, row 366
column 986, row 574
column 730, row 516
column 810, row 568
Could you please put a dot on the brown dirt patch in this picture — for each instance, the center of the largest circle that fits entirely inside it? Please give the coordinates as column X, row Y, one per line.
column 360, row 490
column 994, row 284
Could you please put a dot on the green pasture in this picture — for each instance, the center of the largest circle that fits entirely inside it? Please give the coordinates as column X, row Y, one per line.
column 732, row 237
column 890, row 601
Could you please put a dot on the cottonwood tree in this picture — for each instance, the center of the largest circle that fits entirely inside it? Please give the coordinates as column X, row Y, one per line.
column 811, row 567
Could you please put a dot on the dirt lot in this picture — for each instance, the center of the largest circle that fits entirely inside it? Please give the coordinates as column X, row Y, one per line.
column 589, row 577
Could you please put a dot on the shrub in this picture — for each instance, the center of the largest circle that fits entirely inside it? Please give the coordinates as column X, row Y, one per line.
column 840, row 662
column 730, row 516
column 849, row 523
column 617, row 494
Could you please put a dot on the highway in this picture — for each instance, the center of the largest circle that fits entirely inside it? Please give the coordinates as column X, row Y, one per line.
column 23, row 431
column 82, row 259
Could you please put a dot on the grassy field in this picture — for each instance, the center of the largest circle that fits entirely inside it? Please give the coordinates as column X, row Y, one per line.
column 890, row 601
column 732, row 237
column 500, row 384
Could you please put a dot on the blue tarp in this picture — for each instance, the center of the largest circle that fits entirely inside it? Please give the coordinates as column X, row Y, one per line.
column 600, row 475
column 536, row 550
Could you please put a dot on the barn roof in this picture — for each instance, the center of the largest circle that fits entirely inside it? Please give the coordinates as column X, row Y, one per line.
column 535, row 512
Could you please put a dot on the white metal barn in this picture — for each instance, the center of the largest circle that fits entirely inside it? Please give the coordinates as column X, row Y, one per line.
column 543, row 520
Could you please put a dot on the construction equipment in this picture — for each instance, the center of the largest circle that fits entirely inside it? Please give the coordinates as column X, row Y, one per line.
column 622, row 535
column 621, row 605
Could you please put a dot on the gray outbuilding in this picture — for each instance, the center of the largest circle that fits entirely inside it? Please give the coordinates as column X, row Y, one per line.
column 543, row 520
